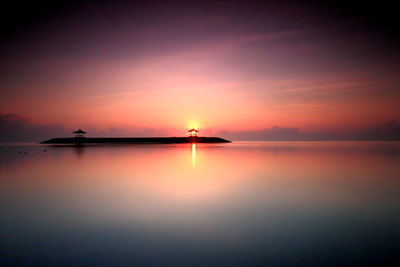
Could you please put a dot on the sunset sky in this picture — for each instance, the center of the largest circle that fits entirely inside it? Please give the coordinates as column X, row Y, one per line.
column 158, row 68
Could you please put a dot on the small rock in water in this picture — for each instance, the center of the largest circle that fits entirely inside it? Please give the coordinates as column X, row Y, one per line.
column 44, row 150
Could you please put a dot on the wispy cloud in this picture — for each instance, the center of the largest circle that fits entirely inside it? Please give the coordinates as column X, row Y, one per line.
column 389, row 130
column 14, row 128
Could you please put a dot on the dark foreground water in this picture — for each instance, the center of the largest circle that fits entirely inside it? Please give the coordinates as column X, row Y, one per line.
column 239, row 204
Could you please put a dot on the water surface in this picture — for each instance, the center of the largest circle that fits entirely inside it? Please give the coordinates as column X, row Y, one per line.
column 239, row 204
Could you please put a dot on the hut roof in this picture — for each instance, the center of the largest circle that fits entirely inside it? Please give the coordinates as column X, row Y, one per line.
column 79, row 132
column 193, row 130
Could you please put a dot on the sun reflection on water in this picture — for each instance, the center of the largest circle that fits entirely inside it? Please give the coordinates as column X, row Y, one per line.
column 193, row 155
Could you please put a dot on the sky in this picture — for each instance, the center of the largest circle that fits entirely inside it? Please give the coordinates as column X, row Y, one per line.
column 243, row 69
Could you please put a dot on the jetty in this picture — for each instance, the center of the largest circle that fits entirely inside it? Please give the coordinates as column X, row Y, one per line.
column 80, row 139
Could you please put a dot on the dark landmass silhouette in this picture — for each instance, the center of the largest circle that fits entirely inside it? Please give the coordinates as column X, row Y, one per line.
column 14, row 128
column 135, row 140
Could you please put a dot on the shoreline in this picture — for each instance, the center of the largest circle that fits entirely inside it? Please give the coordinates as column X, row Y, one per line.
column 134, row 140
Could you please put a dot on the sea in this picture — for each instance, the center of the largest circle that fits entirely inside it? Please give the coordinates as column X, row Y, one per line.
column 294, row 203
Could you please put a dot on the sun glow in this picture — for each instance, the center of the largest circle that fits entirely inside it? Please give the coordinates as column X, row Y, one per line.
column 193, row 125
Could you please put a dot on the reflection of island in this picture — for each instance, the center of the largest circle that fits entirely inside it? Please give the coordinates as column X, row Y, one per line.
column 79, row 150
column 79, row 139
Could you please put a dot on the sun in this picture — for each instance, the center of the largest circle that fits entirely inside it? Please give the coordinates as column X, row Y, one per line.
column 193, row 125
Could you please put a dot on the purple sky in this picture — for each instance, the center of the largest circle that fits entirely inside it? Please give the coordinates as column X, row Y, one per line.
column 246, row 69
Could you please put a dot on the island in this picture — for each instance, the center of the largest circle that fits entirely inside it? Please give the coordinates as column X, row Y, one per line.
column 80, row 139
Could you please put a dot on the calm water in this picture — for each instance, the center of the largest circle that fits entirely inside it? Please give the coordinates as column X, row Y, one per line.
column 239, row 204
